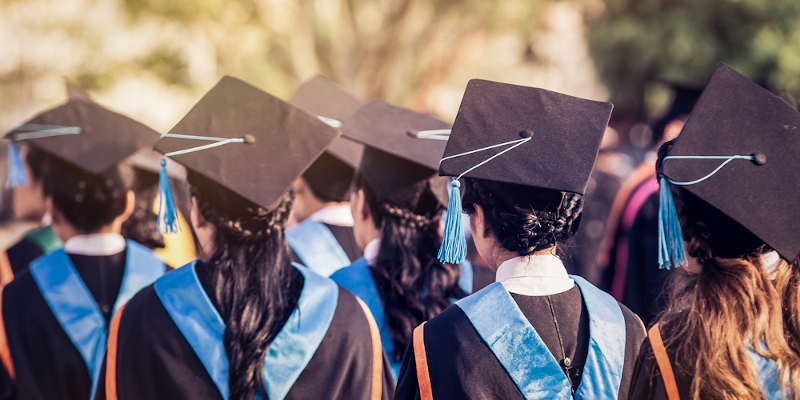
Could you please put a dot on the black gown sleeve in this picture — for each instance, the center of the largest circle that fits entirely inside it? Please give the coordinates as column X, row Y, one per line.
column 22, row 254
column 407, row 383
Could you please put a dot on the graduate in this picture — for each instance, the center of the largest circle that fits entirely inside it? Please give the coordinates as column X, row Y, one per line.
column 323, row 240
column 29, row 202
column 55, row 313
column 728, row 216
column 243, row 322
column 628, row 252
column 29, row 205
column 397, row 201
column 525, row 155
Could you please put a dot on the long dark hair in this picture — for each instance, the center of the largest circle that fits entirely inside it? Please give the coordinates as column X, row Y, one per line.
column 729, row 302
column 254, row 285
column 524, row 219
column 413, row 284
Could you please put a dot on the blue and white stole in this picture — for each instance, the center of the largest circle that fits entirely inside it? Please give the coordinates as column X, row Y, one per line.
column 526, row 358
column 357, row 279
column 75, row 308
column 316, row 247
column 287, row 356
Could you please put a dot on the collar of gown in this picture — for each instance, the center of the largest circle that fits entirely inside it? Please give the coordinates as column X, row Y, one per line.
column 536, row 275
column 334, row 215
column 371, row 251
column 96, row 244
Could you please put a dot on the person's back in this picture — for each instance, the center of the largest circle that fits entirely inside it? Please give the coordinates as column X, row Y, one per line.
column 397, row 202
column 730, row 326
column 243, row 321
column 536, row 333
column 55, row 312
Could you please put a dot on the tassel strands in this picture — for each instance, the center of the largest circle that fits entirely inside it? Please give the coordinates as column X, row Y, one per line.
column 167, row 212
column 454, row 242
column 17, row 176
column 670, row 236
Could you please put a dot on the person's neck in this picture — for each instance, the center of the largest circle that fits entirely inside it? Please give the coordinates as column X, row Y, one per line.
column 502, row 255
column 66, row 232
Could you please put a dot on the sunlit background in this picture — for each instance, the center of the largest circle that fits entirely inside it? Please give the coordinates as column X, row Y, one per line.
column 153, row 59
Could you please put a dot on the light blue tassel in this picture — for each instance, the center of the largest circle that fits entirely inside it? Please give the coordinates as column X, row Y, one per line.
column 670, row 236
column 167, row 213
column 17, row 176
column 454, row 243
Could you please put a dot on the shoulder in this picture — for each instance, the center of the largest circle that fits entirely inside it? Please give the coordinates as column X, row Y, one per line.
column 634, row 325
column 357, row 271
column 143, row 315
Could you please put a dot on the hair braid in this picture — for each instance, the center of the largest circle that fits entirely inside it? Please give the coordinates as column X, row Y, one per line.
column 524, row 220
column 413, row 284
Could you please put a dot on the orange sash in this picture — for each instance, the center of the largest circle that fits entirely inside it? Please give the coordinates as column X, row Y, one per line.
column 662, row 359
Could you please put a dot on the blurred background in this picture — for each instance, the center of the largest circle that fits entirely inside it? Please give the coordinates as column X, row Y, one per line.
column 153, row 59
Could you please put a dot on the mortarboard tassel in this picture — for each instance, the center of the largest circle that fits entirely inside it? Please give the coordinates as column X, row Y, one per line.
column 167, row 213
column 670, row 236
column 17, row 176
column 454, row 243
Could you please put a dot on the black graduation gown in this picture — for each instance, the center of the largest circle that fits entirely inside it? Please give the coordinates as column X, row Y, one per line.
column 22, row 253
column 155, row 361
column 344, row 235
column 46, row 362
column 647, row 382
column 462, row 366
column 645, row 281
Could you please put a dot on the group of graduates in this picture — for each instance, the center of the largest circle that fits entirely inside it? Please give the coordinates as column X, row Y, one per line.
column 332, row 236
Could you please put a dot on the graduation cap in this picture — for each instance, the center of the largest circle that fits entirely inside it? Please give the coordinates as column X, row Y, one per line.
column 737, row 154
column 685, row 97
column 395, row 162
column 248, row 141
column 81, row 133
column 330, row 175
column 523, row 136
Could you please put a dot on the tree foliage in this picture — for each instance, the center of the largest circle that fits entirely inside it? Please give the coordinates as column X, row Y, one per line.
column 637, row 41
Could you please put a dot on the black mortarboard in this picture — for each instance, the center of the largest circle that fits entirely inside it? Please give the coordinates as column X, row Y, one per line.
column 737, row 117
column 521, row 136
column 685, row 95
column 276, row 141
column 330, row 175
column 84, row 134
column 395, row 161
column 564, row 135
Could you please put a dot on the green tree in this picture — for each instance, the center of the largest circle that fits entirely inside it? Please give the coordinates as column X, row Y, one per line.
column 635, row 42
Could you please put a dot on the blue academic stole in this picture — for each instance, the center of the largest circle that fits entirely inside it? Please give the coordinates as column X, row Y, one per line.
column 287, row 356
column 526, row 358
column 75, row 308
column 357, row 279
column 768, row 377
column 316, row 247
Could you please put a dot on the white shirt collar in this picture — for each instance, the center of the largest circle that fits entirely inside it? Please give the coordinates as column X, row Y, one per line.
column 334, row 215
column 371, row 251
column 96, row 244
column 536, row 275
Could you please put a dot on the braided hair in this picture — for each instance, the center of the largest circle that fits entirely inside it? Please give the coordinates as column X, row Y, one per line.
column 87, row 201
column 414, row 286
column 250, row 278
column 524, row 219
